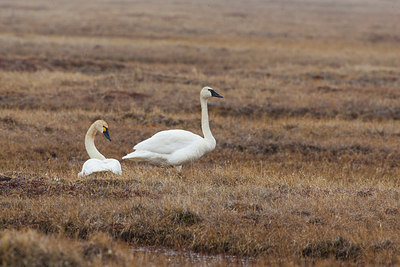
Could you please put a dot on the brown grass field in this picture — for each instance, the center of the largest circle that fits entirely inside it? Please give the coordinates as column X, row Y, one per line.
column 307, row 164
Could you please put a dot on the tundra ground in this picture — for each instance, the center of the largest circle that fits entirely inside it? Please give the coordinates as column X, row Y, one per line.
column 307, row 163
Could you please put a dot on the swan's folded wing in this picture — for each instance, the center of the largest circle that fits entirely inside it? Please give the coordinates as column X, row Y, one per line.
column 112, row 165
column 91, row 166
column 167, row 142
column 97, row 165
column 143, row 155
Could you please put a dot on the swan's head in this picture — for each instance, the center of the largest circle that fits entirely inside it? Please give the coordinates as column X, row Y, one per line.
column 208, row 92
column 102, row 127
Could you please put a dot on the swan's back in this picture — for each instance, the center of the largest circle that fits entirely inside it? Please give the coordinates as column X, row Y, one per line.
column 97, row 165
column 168, row 142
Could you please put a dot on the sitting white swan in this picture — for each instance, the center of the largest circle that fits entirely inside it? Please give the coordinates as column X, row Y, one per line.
column 97, row 162
column 177, row 147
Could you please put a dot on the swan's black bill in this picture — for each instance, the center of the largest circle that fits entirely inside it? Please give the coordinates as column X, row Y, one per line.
column 215, row 94
column 106, row 134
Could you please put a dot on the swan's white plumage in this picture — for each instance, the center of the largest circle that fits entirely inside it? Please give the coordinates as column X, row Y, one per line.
column 177, row 147
column 97, row 162
column 97, row 165
column 171, row 147
column 169, row 141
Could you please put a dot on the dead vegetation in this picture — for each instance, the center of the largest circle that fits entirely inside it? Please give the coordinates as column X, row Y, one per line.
column 307, row 160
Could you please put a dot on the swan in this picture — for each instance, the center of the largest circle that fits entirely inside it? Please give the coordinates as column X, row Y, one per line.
column 177, row 147
column 97, row 162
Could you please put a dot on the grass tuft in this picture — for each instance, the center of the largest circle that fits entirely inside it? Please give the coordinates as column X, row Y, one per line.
column 183, row 217
column 341, row 249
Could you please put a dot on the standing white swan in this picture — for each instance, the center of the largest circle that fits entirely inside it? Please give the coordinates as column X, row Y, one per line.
column 97, row 162
column 177, row 147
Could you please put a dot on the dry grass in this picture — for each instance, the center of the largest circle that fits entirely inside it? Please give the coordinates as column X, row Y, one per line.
column 29, row 248
column 307, row 163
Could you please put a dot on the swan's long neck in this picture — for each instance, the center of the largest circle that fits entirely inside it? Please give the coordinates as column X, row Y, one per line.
column 89, row 144
column 205, row 126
